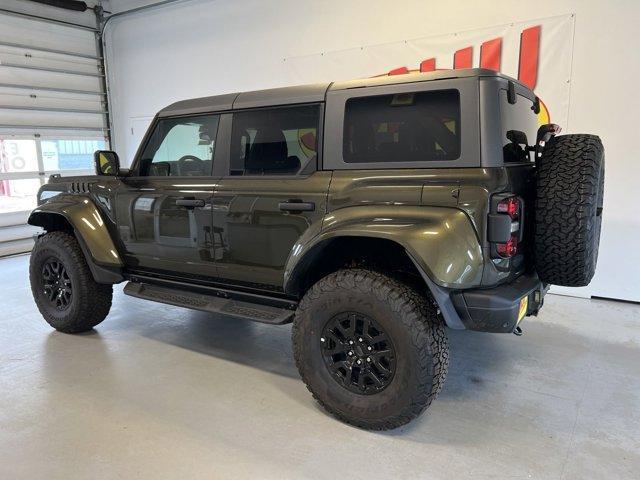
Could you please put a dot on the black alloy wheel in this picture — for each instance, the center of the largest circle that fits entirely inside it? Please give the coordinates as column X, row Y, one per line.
column 358, row 353
column 58, row 288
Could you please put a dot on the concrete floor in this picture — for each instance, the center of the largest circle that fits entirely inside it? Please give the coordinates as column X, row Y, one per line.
column 162, row 392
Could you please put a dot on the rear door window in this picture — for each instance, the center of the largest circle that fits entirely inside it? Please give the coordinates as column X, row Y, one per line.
column 274, row 141
column 403, row 127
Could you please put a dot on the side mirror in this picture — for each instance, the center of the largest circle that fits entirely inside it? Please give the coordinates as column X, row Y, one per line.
column 106, row 162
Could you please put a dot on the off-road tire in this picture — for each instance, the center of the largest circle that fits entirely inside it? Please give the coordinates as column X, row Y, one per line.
column 568, row 209
column 90, row 301
column 412, row 322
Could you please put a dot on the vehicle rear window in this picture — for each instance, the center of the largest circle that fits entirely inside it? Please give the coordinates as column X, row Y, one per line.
column 403, row 127
column 274, row 141
column 517, row 117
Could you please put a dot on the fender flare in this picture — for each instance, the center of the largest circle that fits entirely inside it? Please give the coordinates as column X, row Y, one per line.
column 81, row 213
column 441, row 241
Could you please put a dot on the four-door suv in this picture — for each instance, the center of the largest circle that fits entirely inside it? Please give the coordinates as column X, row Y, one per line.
column 371, row 213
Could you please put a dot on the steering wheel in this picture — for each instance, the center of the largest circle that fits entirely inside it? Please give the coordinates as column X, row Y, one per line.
column 190, row 164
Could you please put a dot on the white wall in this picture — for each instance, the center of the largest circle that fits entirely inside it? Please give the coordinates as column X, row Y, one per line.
column 201, row 47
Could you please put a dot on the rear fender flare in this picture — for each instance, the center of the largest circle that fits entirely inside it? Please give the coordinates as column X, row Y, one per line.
column 441, row 241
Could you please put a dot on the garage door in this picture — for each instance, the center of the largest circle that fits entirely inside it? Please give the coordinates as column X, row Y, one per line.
column 52, row 112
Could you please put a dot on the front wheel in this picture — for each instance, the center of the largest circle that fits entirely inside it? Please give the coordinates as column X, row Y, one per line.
column 371, row 350
column 65, row 292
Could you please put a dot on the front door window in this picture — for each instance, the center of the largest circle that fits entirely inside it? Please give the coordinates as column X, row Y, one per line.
column 182, row 147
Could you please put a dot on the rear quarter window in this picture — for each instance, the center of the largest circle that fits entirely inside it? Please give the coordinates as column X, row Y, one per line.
column 403, row 127
column 520, row 117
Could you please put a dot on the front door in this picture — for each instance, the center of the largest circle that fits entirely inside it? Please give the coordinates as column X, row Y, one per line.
column 163, row 209
column 270, row 195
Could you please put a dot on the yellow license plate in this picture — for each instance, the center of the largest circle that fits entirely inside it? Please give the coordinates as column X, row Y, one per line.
column 522, row 311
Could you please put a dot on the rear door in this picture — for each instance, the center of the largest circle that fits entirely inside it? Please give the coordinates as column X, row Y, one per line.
column 270, row 194
column 164, row 208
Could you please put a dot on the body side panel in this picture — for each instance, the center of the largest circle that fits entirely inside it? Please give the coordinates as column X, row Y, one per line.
column 157, row 233
column 257, row 236
column 403, row 205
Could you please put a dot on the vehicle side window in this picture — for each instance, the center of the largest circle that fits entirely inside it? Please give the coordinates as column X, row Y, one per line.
column 518, row 117
column 181, row 146
column 403, row 127
column 274, row 141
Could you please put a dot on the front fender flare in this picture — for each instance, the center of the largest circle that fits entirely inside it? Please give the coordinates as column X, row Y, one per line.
column 442, row 241
column 82, row 214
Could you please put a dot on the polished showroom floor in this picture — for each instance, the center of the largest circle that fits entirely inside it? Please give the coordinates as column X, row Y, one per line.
column 162, row 392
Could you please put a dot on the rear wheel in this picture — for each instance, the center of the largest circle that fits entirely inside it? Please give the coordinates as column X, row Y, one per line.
column 62, row 285
column 568, row 210
column 371, row 350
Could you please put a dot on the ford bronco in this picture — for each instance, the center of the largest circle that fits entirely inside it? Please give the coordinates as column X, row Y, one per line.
column 370, row 213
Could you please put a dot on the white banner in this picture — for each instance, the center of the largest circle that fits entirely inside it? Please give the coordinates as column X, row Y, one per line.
column 537, row 52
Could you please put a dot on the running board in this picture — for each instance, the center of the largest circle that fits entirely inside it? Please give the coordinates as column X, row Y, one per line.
column 210, row 303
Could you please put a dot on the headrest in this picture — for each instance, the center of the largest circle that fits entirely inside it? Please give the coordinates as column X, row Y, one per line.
column 268, row 152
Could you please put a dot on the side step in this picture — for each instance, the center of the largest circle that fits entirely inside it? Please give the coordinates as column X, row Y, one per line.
column 210, row 303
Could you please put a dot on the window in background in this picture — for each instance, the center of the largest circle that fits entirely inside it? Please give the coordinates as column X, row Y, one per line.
column 18, row 195
column 405, row 127
column 22, row 172
column 18, row 156
column 72, row 154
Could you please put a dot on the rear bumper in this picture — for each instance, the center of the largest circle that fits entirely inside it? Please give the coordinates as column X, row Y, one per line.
column 498, row 309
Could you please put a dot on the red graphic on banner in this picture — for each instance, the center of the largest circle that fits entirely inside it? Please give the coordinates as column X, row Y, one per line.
column 529, row 54
column 428, row 65
column 490, row 54
column 398, row 71
column 463, row 58
column 491, row 57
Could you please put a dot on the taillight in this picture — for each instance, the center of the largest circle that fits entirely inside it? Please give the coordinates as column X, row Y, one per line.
column 505, row 230
column 510, row 206
column 508, row 249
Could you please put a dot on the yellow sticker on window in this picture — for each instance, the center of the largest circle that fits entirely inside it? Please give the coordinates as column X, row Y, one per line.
column 522, row 311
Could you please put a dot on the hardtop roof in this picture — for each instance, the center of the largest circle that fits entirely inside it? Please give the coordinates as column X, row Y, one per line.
column 311, row 93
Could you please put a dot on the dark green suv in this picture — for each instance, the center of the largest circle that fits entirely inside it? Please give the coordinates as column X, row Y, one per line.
column 371, row 213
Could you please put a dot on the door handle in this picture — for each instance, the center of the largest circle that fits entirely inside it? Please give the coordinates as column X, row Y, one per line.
column 297, row 206
column 190, row 202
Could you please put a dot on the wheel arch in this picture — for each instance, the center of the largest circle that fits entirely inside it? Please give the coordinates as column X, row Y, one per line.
column 434, row 247
column 380, row 254
column 79, row 217
column 341, row 251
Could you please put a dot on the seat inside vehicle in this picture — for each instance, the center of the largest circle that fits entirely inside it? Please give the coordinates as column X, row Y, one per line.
column 268, row 154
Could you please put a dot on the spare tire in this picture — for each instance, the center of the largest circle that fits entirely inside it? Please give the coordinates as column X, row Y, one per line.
column 568, row 209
